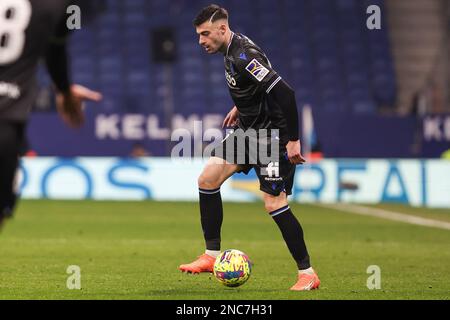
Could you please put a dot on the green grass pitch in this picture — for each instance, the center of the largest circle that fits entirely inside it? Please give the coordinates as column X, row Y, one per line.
column 131, row 250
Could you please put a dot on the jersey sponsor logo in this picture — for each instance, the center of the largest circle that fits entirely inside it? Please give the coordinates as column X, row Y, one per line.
column 230, row 79
column 257, row 70
column 273, row 170
column 273, row 179
column 9, row 90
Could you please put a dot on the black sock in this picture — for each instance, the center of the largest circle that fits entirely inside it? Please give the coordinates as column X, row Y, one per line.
column 293, row 236
column 211, row 214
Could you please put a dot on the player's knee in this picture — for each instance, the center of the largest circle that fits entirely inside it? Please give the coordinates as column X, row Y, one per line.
column 208, row 182
column 271, row 206
column 273, row 203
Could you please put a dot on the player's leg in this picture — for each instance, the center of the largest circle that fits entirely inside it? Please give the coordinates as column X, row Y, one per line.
column 213, row 176
column 279, row 210
column 292, row 231
column 10, row 139
column 276, row 181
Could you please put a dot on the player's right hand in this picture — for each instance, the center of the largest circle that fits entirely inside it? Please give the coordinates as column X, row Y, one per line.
column 294, row 154
column 231, row 118
column 70, row 104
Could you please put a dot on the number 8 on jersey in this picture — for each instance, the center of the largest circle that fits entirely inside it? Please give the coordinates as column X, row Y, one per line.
column 15, row 16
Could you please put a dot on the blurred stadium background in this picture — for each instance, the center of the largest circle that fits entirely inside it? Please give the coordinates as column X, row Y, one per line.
column 375, row 114
column 365, row 94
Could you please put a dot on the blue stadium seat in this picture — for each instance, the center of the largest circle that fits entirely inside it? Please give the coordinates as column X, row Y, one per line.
column 321, row 46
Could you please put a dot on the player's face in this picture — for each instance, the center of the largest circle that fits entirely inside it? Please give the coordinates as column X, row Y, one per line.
column 211, row 36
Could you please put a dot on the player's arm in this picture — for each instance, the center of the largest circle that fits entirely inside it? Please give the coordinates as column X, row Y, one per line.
column 57, row 63
column 70, row 97
column 284, row 95
column 261, row 73
column 255, row 68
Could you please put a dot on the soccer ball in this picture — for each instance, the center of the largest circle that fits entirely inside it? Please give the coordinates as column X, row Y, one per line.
column 232, row 268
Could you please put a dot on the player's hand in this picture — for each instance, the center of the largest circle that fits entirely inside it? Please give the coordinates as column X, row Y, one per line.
column 294, row 154
column 70, row 104
column 231, row 118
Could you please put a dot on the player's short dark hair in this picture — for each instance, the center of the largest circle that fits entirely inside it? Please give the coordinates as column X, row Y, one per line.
column 212, row 12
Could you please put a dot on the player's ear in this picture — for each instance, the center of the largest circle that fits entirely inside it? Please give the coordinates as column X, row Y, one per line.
column 223, row 28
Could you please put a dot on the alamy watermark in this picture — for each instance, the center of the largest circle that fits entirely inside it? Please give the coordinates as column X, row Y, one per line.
column 74, row 280
column 73, row 22
column 374, row 281
column 237, row 146
column 374, row 20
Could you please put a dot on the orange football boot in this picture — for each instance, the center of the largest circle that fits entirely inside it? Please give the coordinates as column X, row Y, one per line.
column 306, row 282
column 204, row 263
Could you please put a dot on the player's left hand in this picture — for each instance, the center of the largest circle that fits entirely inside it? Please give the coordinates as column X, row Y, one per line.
column 70, row 104
column 294, row 153
column 231, row 118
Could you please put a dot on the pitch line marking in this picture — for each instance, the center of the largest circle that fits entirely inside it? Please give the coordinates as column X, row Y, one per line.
column 387, row 214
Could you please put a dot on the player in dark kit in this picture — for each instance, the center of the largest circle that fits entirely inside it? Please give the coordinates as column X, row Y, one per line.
column 263, row 100
column 30, row 30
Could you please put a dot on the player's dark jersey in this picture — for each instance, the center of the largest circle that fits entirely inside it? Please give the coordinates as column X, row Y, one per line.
column 26, row 26
column 250, row 79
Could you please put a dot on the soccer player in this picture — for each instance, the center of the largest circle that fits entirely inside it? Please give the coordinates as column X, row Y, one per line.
column 29, row 30
column 263, row 100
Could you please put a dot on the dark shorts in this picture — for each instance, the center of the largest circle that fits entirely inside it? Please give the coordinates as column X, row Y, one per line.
column 11, row 143
column 267, row 155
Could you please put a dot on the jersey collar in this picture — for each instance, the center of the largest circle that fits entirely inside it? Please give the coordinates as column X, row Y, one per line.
column 229, row 45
